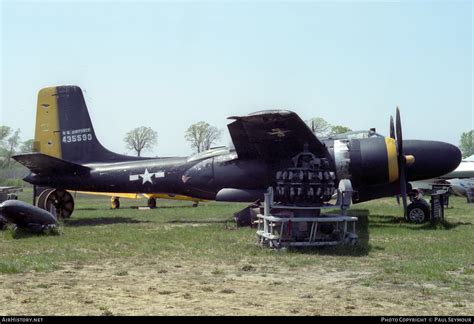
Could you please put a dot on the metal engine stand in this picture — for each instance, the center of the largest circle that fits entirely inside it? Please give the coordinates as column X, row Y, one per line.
column 301, row 226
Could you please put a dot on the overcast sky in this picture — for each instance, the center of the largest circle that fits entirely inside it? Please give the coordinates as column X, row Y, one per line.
column 168, row 65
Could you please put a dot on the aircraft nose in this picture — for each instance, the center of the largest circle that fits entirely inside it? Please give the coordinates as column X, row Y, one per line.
column 432, row 158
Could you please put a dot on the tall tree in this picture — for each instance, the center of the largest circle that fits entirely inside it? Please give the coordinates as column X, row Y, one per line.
column 9, row 143
column 338, row 129
column 202, row 135
column 140, row 139
column 4, row 132
column 467, row 143
column 319, row 126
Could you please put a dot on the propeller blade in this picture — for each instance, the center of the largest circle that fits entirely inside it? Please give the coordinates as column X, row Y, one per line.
column 392, row 128
column 401, row 162
column 399, row 133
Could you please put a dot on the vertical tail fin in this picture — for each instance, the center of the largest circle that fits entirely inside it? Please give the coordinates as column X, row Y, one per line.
column 64, row 128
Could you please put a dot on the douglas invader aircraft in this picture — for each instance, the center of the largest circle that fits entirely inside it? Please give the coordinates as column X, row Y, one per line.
column 273, row 148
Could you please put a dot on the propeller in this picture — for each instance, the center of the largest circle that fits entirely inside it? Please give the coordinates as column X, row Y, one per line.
column 401, row 160
column 392, row 136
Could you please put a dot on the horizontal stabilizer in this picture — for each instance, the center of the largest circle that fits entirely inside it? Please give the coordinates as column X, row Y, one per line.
column 43, row 164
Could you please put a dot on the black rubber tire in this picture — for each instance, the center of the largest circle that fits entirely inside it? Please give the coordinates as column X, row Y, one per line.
column 62, row 201
column 418, row 213
column 41, row 200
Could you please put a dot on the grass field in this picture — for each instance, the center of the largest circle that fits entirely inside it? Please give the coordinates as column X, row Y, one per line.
column 179, row 260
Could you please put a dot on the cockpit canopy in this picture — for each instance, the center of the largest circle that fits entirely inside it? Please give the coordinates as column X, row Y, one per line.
column 355, row 135
column 215, row 151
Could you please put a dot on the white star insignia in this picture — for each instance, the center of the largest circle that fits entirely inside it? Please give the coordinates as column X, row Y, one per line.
column 146, row 177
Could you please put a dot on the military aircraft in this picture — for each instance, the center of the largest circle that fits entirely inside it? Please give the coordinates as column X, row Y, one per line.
column 461, row 180
column 273, row 148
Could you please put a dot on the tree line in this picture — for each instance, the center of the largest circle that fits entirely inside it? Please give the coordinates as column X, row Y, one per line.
column 201, row 137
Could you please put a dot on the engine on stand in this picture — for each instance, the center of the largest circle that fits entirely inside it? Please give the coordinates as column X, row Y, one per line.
column 310, row 182
column 292, row 208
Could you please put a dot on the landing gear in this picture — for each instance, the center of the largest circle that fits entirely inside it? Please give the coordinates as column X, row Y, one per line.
column 57, row 201
column 196, row 203
column 152, row 202
column 114, row 203
column 418, row 212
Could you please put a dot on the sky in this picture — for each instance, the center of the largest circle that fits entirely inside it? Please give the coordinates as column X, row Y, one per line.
column 167, row 65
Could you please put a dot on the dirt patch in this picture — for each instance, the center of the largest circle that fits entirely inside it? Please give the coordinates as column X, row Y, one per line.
column 172, row 287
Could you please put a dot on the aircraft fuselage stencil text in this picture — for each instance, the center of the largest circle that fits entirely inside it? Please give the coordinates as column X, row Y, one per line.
column 77, row 135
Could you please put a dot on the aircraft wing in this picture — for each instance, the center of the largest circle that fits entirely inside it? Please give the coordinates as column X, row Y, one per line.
column 272, row 135
column 47, row 165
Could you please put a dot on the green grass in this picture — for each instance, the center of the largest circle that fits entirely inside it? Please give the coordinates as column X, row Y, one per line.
column 392, row 250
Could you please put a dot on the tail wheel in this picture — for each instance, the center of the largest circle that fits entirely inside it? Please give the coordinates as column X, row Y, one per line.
column 61, row 202
column 152, row 202
column 114, row 203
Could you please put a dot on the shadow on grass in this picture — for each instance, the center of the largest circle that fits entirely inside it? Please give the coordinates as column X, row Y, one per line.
column 22, row 233
column 394, row 221
column 362, row 248
column 446, row 225
column 203, row 221
column 101, row 221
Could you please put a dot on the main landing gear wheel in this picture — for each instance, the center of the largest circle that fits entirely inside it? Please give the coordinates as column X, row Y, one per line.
column 418, row 213
column 152, row 202
column 60, row 202
column 41, row 201
column 114, row 203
